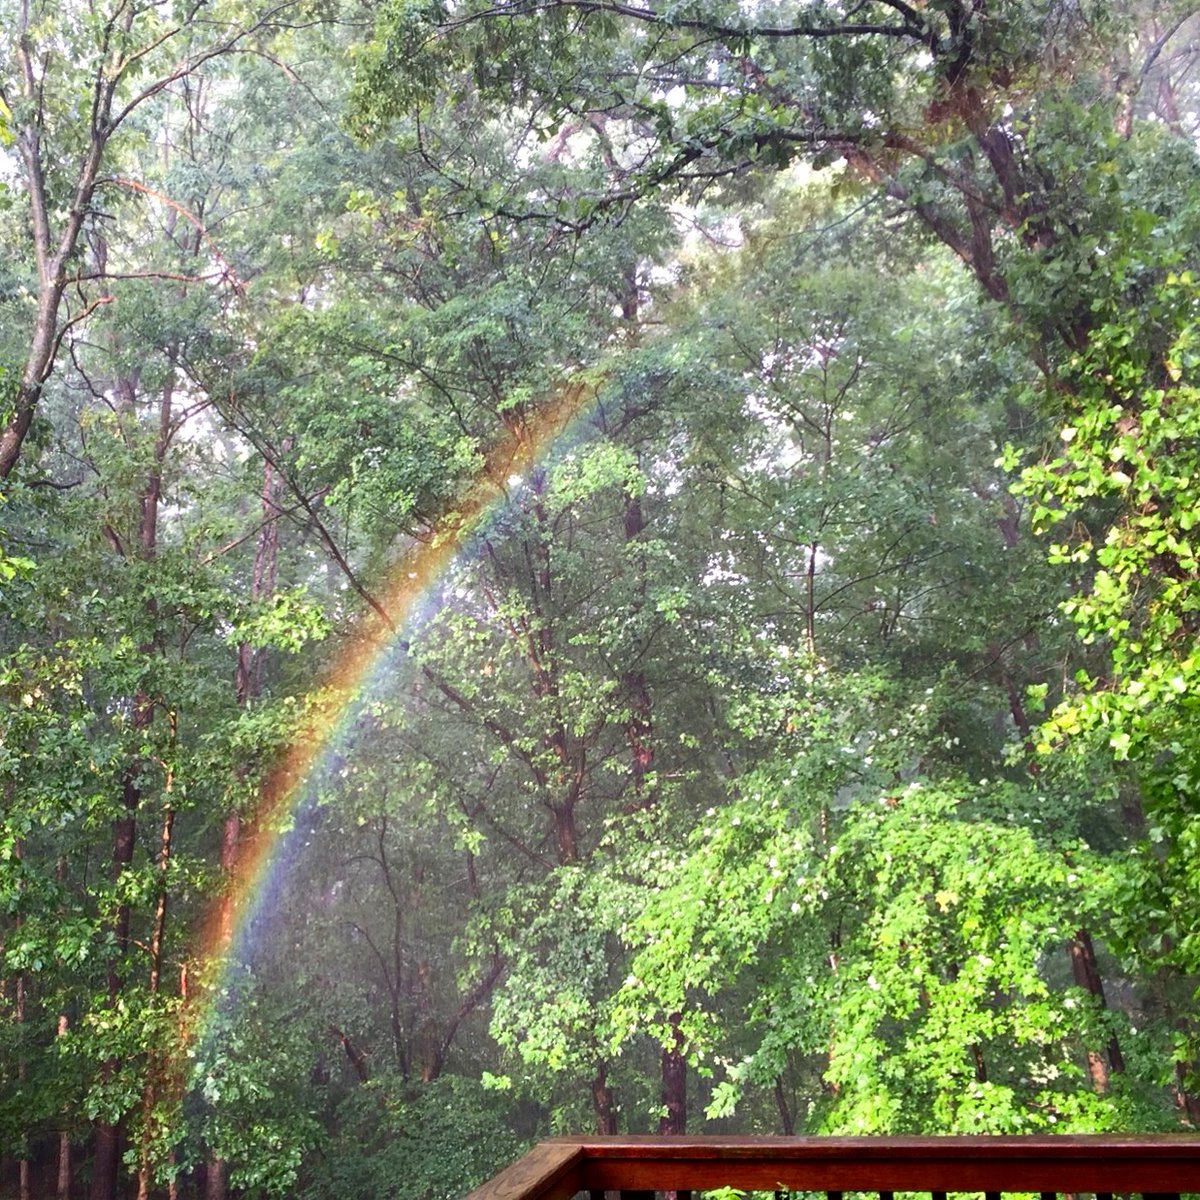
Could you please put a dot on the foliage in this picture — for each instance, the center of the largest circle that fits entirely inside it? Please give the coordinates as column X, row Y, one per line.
column 516, row 620
column 430, row 1140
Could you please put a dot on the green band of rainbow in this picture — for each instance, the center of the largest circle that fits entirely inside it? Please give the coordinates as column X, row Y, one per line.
column 529, row 441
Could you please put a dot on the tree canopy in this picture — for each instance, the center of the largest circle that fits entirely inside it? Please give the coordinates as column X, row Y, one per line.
column 583, row 565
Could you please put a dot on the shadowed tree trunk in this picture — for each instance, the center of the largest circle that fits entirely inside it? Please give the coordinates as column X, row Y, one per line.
column 107, row 1137
column 674, row 1091
column 106, row 1151
column 63, row 1189
column 23, row 1165
column 248, row 677
column 787, row 1123
column 603, row 1101
column 1087, row 976
column 159, row 1057
column 674, row 1081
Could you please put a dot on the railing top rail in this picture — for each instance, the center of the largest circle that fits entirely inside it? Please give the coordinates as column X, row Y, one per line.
column 961, row 1145
column 556, row 1169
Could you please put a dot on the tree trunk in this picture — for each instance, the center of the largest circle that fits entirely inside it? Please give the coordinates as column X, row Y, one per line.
column 478, row 994
column 214, row 1179
column 63, row 1182
column 565, row 834
column 639, row 726
column 606, row 1113
column 105, row 1157
column 787, row 1123
column 355, row 1055
column 105, row 1165
column 19, row 1019
column 57, row 222
column 248, row 675
column 674, row 1081
column 52, row 250
column 980, row 1063
column 1087, row 976
column 674, row 1091
column 63, row 1191
column 106, row 1138
column 1185, row 1099
column 156, row 1065
column 231, row 834
column 248, row 679
column 603, row 1101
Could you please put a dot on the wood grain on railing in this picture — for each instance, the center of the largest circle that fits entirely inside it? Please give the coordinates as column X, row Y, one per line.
column 1101, row 1164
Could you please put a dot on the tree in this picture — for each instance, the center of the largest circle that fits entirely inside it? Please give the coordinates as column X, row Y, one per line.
column 974, row 120
column 120, row 59
column 116, row 634
column 697, row 781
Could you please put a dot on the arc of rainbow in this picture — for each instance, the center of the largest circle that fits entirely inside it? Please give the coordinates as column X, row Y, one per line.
column 528, row 441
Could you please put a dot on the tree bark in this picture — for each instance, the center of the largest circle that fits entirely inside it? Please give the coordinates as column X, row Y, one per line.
column 787, row 1123
column 603, row 1101
column 639, row 726
column 214, row 1180
column 1087, row 976
column 106, row 1137
column 54, row 248
column 155, row 1065
column 1185, row 1099
column 355, row 1055
column 51, row 251
column 105, row 1165
column 105, row 1157
column 23, row 1191
column 674, row 1090
column 63, row 1190
column 247, row 684
column 471, row 1000
column 565, row 834
column 674, row 1081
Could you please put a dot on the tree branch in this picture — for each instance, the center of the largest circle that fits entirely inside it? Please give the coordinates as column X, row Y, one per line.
column 86, row 312
column 908, row 29
column 191, row 218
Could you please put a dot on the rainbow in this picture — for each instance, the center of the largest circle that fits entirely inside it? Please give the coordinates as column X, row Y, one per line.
column 529, row 439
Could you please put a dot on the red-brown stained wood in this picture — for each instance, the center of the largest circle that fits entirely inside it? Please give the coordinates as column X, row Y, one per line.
column 1082, row 1163
column 550, row 1171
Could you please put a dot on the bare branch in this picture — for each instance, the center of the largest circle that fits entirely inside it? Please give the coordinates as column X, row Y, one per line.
column 187, row 215
column 99, row 302
column 191, row 65
column 910, row 28
column 234, row 543
column 167, row 276
column 1159, row 45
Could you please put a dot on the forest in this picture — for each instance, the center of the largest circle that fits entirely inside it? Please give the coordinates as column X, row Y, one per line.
column 591, row 566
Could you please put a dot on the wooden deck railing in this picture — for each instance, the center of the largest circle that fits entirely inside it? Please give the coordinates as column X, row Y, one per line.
column 636, row 1168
